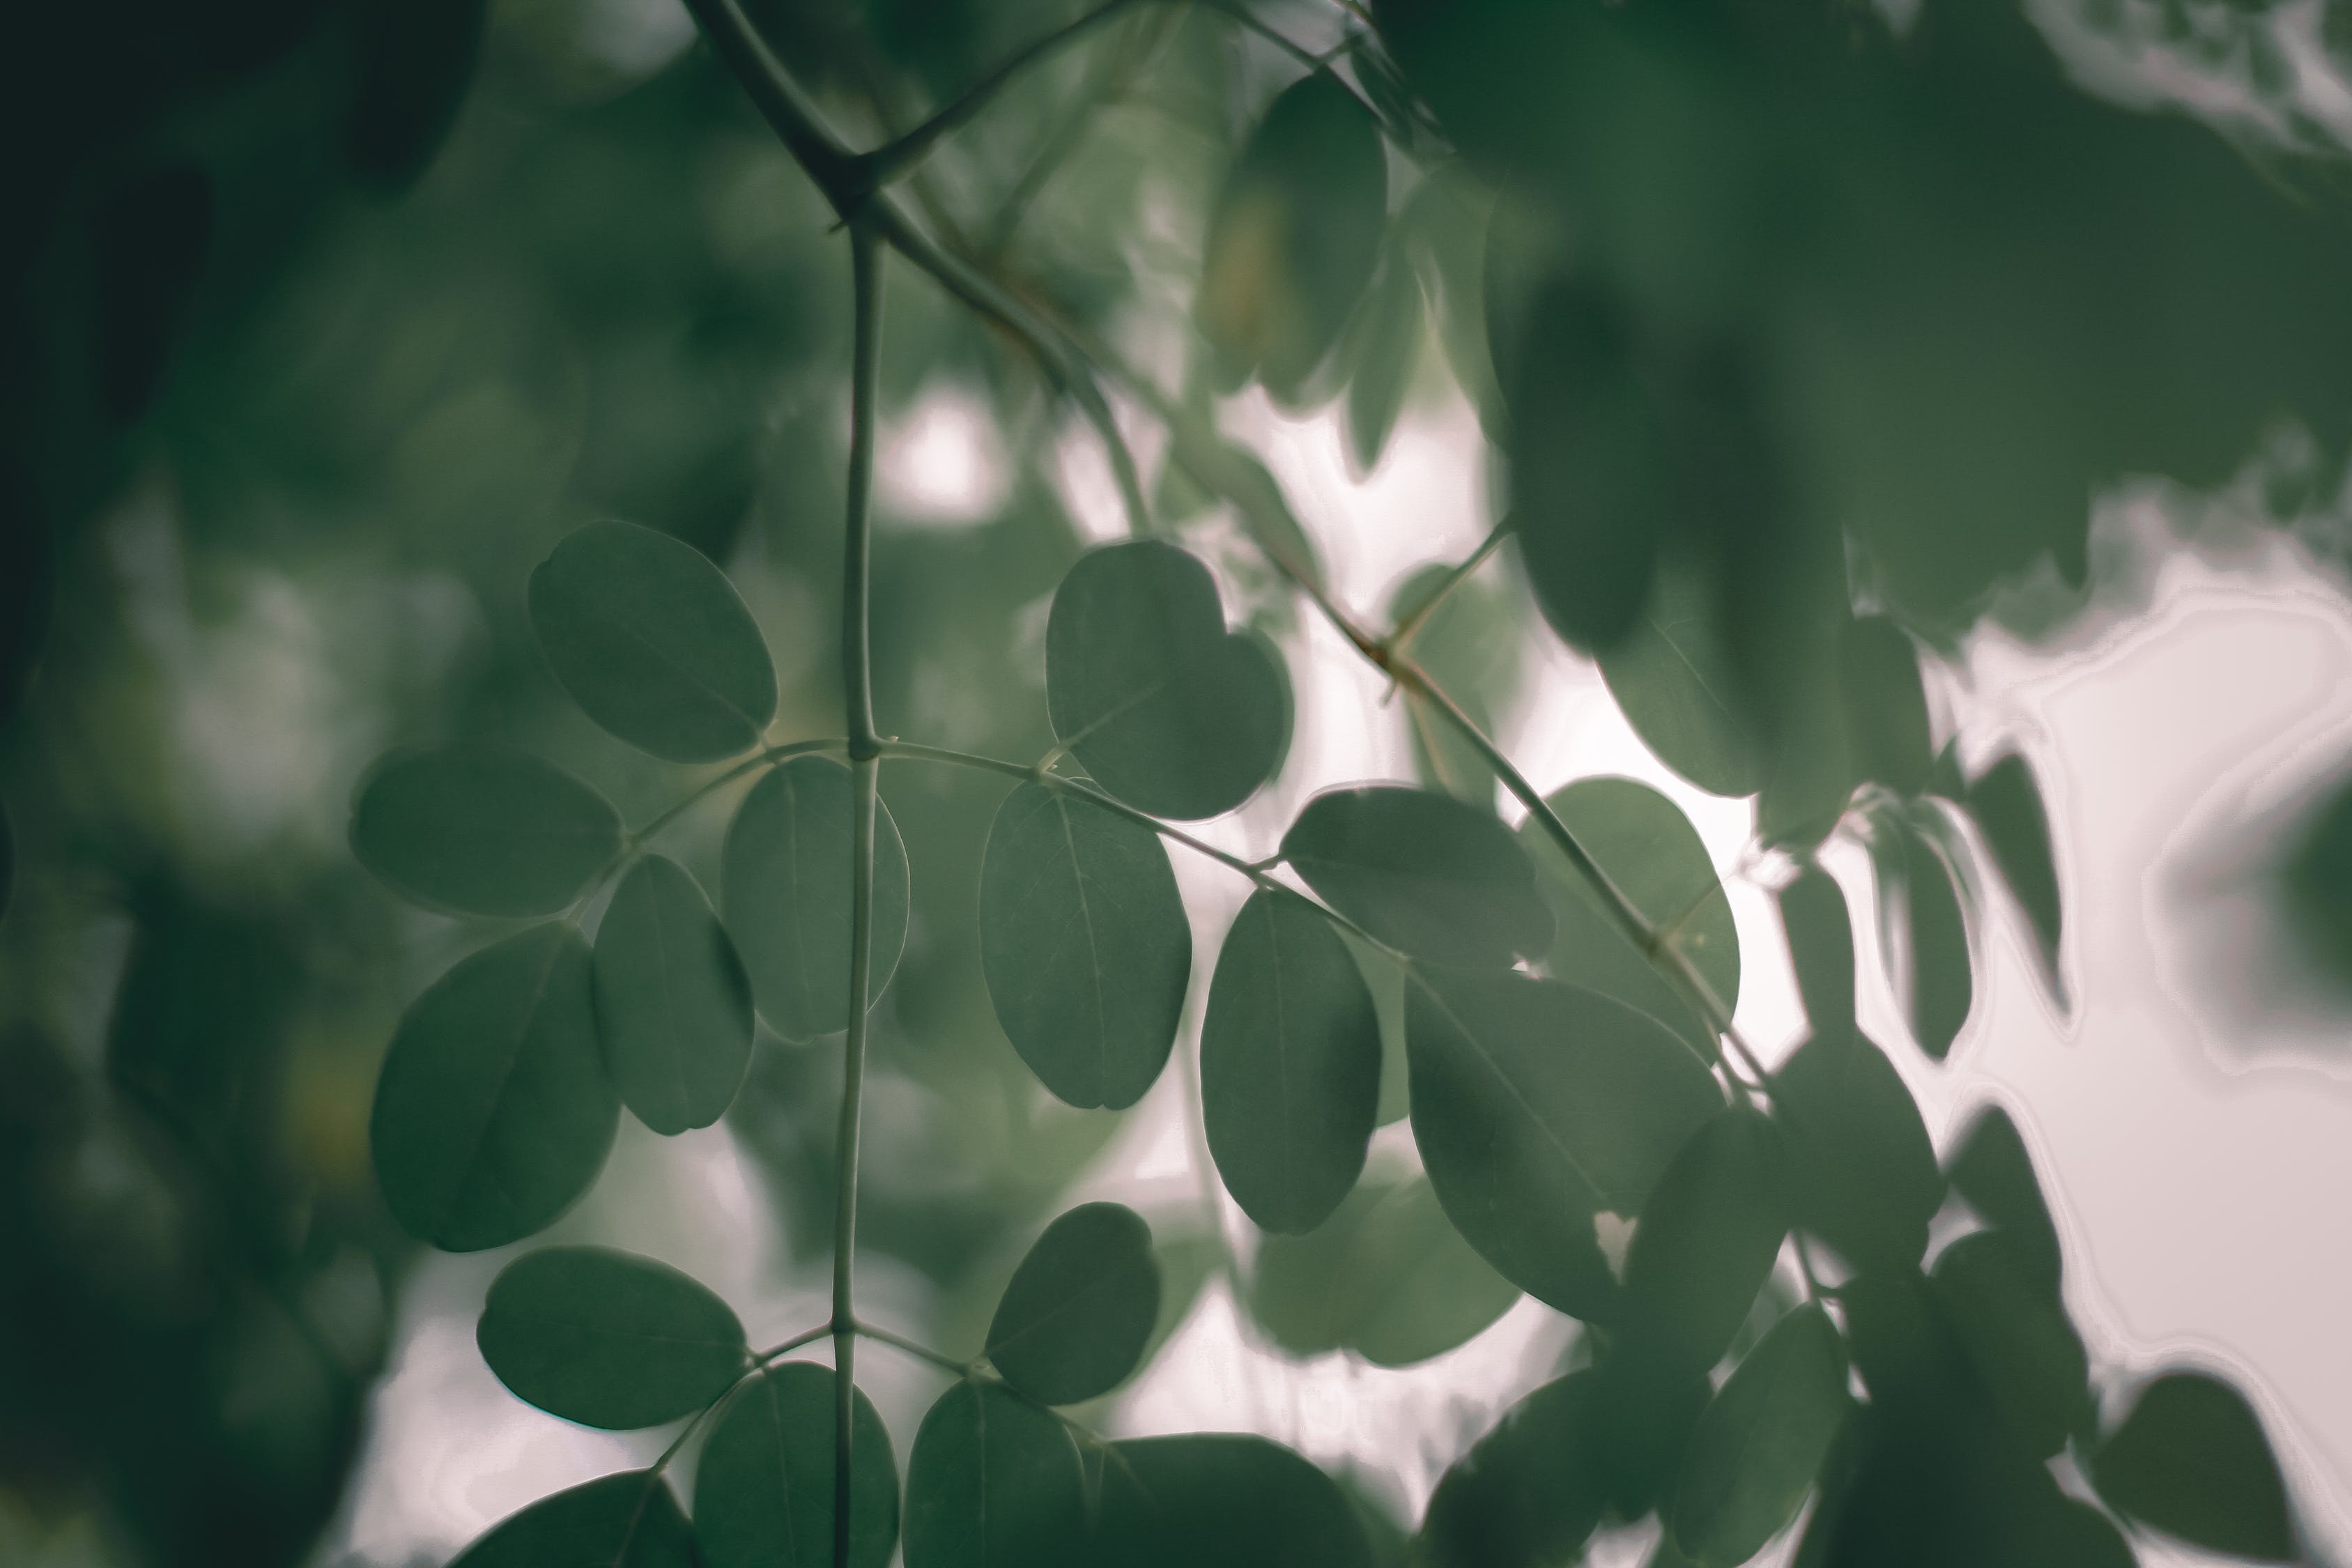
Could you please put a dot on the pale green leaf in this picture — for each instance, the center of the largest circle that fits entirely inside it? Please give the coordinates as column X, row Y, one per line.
column 1864, row 1172
column 1821, row 948
column 1708, row 1238
column 1673, row 676
column 1421, row 872
column 1761, row 1442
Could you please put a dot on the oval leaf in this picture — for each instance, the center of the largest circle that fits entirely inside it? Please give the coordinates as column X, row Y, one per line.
column 994, row 1482
column 2006, row 806
column 654, row 642
column 1535, row 1105
column 1994, row 1173
column 1885, row 704
column 1385, row 342
column 763, row 1490
column 785, row 887
column 1672, row 678
column 608, row 1339
column 1762, row 1441
column 672, row 1007
column 1084, row 944
column 2016, row 1333
column 2191, row 1460
column 1862, row 1171
column 493, row 1113
column 628, row 1520
column 1472, row 644
column 1290, row 1064
column 1421, row 872
column 1708, row 1238
column 1526, row 1495
column 1942, row 987
column 1222, row 1498
column 1166, row 709
column 1074, row 1319
column 1821, row 948
column 482, row 831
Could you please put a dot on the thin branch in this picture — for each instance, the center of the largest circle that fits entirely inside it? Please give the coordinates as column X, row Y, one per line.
column 806, row 1337
column 921, row 1352
column 1403, row 635
column 1110, row 82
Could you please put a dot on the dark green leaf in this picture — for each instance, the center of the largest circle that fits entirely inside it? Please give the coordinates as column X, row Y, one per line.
column 1537, row 1105
column 1074, row 1320
column 148, row 242
column 1655, row 857
column 1290, row 1063
column 1994, row 1173
column 1385, row 341
column 1165, row 708
column 1218, row 1497
column 2191, row 1460
column 493, row 1113
column 1649, row 1403
column 763, row 1490
column 1386, row 1277
column 1525, row 1496
column 2017, row 1336
column 1084, row 944
column 608, row 1339
column 785, row 887
column 672, row 1007
column 1673, row 676
column 1864, row 1172
column 1423, row 873
column 1385, row 978
column 2007, row 809
column 1295, row 234
column 994, row 1482
column 482, row 830
column 627, row 1521
column 652, row 641
column 1708, row 1238
column 1942, row 987
column 1762, row 1441
column 1821, row 948
column 1885, row 704
column 415, row 58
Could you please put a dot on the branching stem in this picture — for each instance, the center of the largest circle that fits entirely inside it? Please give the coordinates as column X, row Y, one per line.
column 940, row 1359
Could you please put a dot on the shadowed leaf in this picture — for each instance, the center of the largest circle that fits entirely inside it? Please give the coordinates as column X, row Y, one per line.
column 608, row 1339
column 482, row 830
column 1707, row 1237
column 1074, row 1319
column 1761, row 1442
column 2007, row 808
column 2191, row 1460
column 628, row 1520
column 1421, row 872
column 763, row 1490
column 1821, row 948
column 1237, row 1502
column 1864, row 1172
column 994, row 1482
column 1672, row 676
column 1994, row 1173
column 1525, row 1495
column 672, row 1006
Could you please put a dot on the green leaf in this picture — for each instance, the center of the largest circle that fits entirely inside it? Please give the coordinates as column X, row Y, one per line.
column 608, row 1339
column 2191, row 1460
column 2016, row 1335
column 1673, row 677
column 672, row 1006
column 1294, row 234
column 1385, row 978
column 1535, row 1105
column 1943, row 989
column 1074, row 1320
column 627, row 1521
column 1649, row 1403
column 1863, row 1170
column 1384, row 340
column 1166, row 709
column 1386, row 1277
column 1762, row 1441
column 994, row 1482
column 481, row 830
column 1885, row 704
column 7, row 859
column 1423, row 873
column 763, row 1490
column 654, row 642
column 2007, row 809
column 1290, row 1063
column 493, row 1113
column 1473, row 645
column 1656, row 859
column 1223, row 1499
column 1084, row 944
column 1708, row 1238
column 416, row 59
column 1525, row 1495
column 1821, row 948
column 1994, row 1173
column 785, row 888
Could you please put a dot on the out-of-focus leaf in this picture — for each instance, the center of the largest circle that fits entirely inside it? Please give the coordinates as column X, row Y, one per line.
column 148, row 242
column 2016, row 1335
column 1525, row 1495
column 1384, row 976
column 1472, row 645
column 630, row 1520
column 1074, row 1320
column 1707, row 1237
column 608, row 1339
column 1236, row 475
column 1383, row 342
column 1444, row 222
column 1290, row 1063
column 1943, row 987
column 1821, row 948
column 1994, row 1173
column 1885, row 704
column 2191, row 1460
column 1165, row 708
column 1084, row 944
column 1864, row 1172
column 1176, row 1502
column 1537, row 1105
column 2007, row 808
column 482, row 830
column 1672, row 676
column 994, row 1482
column 1386, row 1277
column 416, row 59
column 493, row 1113
column 672, row 1006
column 786, row 889
column 1423, row 873
column 1654, row 855
column 1761, row 1442
column 763, row 1490
column 654, row 642
column 7, row 859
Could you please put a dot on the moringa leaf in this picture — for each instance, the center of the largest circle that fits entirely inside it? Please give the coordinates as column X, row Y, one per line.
column 1885, row 704
column 1862, row 1171
column 1383, row 342
column 627, row 1520
column 1763, row 1440
column 1708, row 1238
column 1084, row 944
column 1425, row 873
column 1225, row 1498
column 482, row 830
column 492, row 1114
column 654, row 642
column 1821, row 948
column 1290, row 1063
column 2191, row 1460
column 673, row 1004
column 1994, row 1173
column 785, row 887
column 1673, row 677
column 1527, row 1494
column 1943, row 989
column 2007, row 808
column 763, row 1490
column 1164, row 707
column 1074, row 1320
column 2016, row 1333
column 994, row 1482
column 608, row 1339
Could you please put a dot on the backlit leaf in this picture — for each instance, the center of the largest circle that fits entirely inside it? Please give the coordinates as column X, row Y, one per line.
column 1672, row 676
column 2191, row 1460
column 1473, row 645
column 1423, row 873
column 1761, row 1442
column 608, row 1339
column 482, row 830
column 1074, row 1320
column 1993, row 1170
column 1885, row 704
column 2007, row 808
column 1943, row 988
column 1708, row 1238
column 1525, row 1495
column 763, row 1490
column 1383, row 342
column 627, row 1520
column 1821, row 948
column 994, row 1482
column 672, row 1006
column 2017, row 1335
column 1237, row 1502
column 1864, row 1172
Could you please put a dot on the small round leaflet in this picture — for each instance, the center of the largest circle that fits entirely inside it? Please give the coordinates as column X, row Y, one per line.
column 672, row 1007
column 627, row 1521
column 482, row 830
column 1079, row 1308
column 994, row 1482
column 608, row 1339
column 763, row 1490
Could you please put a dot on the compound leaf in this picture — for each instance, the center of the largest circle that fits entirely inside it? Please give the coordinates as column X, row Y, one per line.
column 1761, row 1442
column 627, row 1520
column 763, row 1490
column 2191, row 1460
column 1079, row 1308
column 482, row 830
column 994, row 1482
column 673, row 1004
column 1421, row 872
column 608, row 1339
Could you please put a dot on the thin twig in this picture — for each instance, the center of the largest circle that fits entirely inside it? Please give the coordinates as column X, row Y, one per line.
column 1401, row 636
column 921, row 1352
